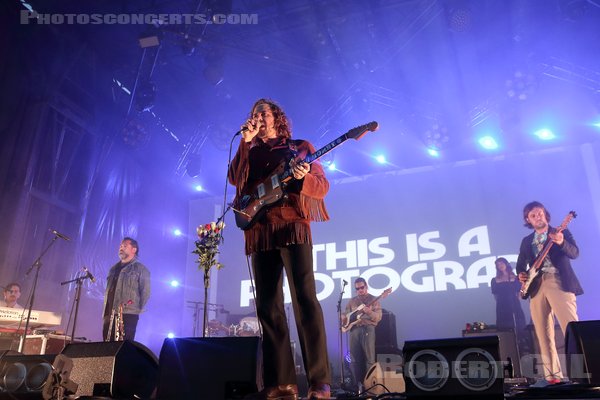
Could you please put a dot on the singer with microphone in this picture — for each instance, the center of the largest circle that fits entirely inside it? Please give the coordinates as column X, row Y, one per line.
column 281, row 238
column 127, row 292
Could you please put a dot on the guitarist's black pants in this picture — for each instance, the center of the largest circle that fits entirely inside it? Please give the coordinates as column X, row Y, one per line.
column 278, row 361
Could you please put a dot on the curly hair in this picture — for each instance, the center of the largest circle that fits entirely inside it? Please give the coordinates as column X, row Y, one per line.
column 282, row 123
column 530, row 206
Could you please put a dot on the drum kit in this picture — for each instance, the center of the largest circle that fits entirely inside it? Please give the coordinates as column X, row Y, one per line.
column 248, row 326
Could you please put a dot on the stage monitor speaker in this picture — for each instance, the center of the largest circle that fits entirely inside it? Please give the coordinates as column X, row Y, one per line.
column 209, row 368
column 373, row 382
column 508, row 347
column 461, row 367
column 113, row 369
column 582, row 344
column 392, row 366
column 23, row 376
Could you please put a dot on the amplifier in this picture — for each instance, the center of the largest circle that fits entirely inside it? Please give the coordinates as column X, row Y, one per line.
column 9, row 342
column 45, row 344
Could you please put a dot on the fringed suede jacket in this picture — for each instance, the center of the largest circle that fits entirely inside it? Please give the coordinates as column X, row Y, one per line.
column 286, row 222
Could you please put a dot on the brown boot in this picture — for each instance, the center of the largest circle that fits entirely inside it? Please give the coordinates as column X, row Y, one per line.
column 279, row 392
column 319, row 391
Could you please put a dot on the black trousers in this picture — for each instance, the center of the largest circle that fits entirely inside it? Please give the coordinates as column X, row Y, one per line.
column 130, row 322
column 278, row 361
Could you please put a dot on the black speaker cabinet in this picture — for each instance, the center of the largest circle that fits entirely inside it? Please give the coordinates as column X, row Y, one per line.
column 23, row 376
column 582, row 344
column 209, row 368
column 508, row 347
column 113, row 369
column 465, row 367
column 386, row 340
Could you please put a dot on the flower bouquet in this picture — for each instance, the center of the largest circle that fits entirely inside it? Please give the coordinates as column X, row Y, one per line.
column 210, row 236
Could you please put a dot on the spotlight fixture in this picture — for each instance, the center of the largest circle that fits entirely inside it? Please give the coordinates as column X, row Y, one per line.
column 436, row 138
column 545, row 134
column 488, row 142
column 134, row 134
column 433, row 152
column 520, row 86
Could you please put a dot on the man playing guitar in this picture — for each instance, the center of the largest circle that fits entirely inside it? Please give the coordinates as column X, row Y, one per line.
column 362, row 333
column 557, row 285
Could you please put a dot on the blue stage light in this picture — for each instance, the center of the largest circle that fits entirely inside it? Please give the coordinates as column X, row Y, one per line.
column 174, row 283
column 331, row 167
column 177, row 232
column 380, row 159
column 433, row 152
column 545, row 134
column 198, row 188
column 488, row 142
column 170, row 335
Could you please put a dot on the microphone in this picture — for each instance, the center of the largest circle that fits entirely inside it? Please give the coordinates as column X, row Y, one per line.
column 345, row 282
column 240, row 131
column 89, row 274
column 60, row 235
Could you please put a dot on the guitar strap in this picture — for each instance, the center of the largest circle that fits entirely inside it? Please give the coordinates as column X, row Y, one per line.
column 293, row 147
column 539, row 240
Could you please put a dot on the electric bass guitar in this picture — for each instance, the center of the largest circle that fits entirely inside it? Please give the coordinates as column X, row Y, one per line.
column 250, row 206
column 532, row 284
column 353, row 317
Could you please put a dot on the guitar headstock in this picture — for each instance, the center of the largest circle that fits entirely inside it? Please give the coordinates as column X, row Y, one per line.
column 386, row 292
column 359, row 131
column 570, row 216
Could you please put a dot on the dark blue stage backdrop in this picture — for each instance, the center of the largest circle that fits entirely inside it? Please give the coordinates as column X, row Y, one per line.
column 431, row 234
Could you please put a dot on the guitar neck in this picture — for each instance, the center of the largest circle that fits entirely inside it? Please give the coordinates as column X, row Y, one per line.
column 374, row 300
column 309, row 159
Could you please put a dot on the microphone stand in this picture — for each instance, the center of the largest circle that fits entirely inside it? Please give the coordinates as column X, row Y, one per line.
column 79, row 281
column 341, row 336
column 36, row 264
